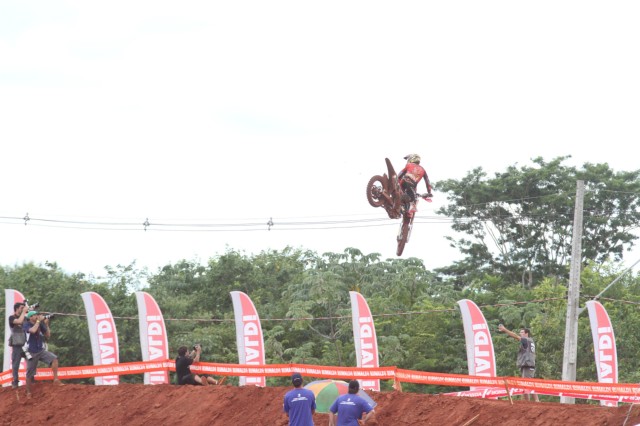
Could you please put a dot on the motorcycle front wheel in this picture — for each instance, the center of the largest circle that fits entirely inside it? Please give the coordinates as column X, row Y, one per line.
column 375, row 188
column 403, row 234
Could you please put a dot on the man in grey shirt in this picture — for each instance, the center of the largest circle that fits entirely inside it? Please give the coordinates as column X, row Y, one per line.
column 526, row 354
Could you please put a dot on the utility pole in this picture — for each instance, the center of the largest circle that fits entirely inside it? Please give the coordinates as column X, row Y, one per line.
column 573, row 298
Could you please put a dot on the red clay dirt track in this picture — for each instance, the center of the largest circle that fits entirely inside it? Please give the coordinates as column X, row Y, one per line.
column 137, row 404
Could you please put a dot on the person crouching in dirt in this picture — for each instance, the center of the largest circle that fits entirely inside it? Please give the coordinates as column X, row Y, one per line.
column 38, row 329
column 526, row 361
column 183, row 370
column 410, row 177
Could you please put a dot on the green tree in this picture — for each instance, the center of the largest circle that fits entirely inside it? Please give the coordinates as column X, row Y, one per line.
column 519, row 223
column 58, row 293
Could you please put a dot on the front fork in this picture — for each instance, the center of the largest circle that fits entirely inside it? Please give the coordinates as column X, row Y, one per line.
column 409, row 217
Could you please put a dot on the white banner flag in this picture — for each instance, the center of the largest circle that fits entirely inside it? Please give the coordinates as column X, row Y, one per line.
column 481, row 359
column 248, row 336
column 103, row 334
column 604, row 346
column 154, row 343
column 364, row 337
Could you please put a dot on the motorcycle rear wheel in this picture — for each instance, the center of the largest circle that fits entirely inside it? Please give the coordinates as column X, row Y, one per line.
column 375, row 188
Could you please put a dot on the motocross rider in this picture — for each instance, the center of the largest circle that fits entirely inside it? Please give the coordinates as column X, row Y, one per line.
column 409, row 178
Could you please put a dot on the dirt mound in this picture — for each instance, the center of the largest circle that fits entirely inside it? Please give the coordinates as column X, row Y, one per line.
column 127, row 404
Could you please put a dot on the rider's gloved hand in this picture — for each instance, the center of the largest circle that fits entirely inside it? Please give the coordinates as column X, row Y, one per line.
column 427, row 197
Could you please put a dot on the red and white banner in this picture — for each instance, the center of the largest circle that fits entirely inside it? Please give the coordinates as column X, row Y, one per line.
column 491, row 393
column 84, row 372
column 604, row 346
column 501, row 393
column 103, row 334
column 154, row 343
column 364, row 336
column 621, row 392
column 248, row 336
column 481, row 359
column 10, row 298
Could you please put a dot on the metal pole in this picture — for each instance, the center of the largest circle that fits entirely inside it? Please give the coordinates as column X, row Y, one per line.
column 573, row 298
column 616, row 280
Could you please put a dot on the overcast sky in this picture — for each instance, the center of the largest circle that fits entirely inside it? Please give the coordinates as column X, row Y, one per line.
column 235, row 112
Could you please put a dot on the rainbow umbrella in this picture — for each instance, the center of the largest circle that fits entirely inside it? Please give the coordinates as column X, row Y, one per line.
column 326, row 392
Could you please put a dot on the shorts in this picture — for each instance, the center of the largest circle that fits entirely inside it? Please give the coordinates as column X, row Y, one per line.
column 42, row 356
column 528, row 372
column 187, row 380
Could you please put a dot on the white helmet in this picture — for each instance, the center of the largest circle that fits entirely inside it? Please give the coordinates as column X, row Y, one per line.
column 413, row 158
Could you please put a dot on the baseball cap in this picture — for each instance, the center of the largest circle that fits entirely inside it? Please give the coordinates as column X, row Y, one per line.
column 296, row 379
column 32, row 313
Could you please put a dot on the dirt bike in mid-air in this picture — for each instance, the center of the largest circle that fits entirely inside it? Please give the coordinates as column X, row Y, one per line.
column 385, row 191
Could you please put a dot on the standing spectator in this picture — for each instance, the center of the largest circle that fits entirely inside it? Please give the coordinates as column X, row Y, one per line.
column 38, row 329
column 17, row 340
column 349, row 408
column 299, row 403
column 183, row 370
column 526, row 361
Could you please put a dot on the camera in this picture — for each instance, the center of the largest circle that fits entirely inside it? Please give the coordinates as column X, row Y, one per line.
column 48, row 316
column 25, row 349
column 31, row 307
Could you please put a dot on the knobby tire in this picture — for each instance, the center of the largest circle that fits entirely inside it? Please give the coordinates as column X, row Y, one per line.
column 375, row 186
column 404, row 234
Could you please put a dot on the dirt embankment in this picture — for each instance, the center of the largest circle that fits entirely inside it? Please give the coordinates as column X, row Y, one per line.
column 132, row 405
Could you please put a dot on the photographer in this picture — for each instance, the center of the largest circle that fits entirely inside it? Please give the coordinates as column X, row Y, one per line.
column 37, row 329
column 17, row 339
column 183, row 370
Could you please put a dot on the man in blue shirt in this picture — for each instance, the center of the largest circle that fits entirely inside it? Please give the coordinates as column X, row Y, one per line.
column 349, row 408
column 37, row 329
column 299, row 403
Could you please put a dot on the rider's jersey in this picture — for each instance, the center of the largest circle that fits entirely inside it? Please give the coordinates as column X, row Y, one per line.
column 415, row 172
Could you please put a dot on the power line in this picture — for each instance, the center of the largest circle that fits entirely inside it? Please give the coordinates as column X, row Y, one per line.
column 287, row 223
column 336, row 317
column 394, row 314
column 269, row 225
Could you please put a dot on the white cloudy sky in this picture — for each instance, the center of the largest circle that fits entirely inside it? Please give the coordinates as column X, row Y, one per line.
column 240, row 111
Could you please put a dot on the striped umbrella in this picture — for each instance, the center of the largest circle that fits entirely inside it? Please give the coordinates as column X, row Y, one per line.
column 328, row 390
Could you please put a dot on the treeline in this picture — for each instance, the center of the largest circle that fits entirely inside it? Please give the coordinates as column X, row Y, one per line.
column 303, row 301
column 515, row 236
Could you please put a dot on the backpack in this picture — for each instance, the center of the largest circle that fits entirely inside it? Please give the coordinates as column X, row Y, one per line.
column 17, row 338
